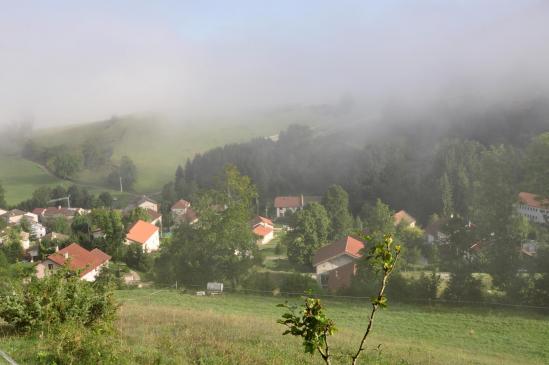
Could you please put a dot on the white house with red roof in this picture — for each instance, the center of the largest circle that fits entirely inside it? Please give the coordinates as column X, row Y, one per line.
column 533, row 207
column 335, row 264
column 88, row 263
column 182, row 212
column 144, row 234
column 285, row 204
column 263, row 228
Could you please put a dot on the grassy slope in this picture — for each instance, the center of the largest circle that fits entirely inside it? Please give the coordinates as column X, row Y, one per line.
column 171, row 328
column 158, row 146
column 20, row 178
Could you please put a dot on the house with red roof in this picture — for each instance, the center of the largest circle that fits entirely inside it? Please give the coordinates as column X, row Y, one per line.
column 402, row 217
column 145, row 234
column 335, row 264
column 285, row 204
column 88, row 263
column 182, row 212
column 533, row 207
column 263, row 228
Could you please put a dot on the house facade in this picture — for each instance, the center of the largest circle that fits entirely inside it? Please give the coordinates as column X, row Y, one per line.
column 286, row 204
column 89, row 263
column 144, row 234
column 335, row 264
column 183, row 212
column 533, row 207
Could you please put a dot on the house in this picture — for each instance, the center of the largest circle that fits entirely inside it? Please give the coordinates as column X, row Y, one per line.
column 143, row 202
column 13, row 216
column 529, row 248
column 533, row 207
column 56, row 236
column 433, row 231
column 38, row 230
column 264, row 234
column 51, row 213
column 145, row 234
column 335, row 264
column 2, row 212
column 89, row 263
column 263, row 228
column 284, row 204
column 180, row 207
column 182, row 212
column 154, row 217
column 402, row 217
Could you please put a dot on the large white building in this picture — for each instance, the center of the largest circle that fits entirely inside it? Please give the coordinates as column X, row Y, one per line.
column 535, row 208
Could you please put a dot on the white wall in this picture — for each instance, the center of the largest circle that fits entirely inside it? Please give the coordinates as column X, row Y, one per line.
column 533, row 214
column 333, row 263
column 153, row 243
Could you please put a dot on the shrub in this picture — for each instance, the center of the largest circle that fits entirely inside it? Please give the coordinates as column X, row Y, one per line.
column 298, row 283
column 463, row 287
column 73, row 343
column 58, row 298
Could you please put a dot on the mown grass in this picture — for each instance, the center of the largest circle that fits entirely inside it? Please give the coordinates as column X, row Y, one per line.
column 171, row 328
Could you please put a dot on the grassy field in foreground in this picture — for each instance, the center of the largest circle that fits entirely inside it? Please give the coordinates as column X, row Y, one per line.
column 172, row 328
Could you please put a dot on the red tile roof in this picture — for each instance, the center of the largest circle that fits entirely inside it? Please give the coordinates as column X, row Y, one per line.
column 262, row 231
column 403, row 216
column 533, row 200
column 181, row 204
column 348, row 246
column 259, row 219
column 287, row 202
column 152, row 214
column 80, row 258
column 141, row 232
column 38, row 211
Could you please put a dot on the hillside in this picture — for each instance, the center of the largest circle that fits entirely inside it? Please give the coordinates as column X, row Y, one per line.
column 167, row 327
column 157, row 145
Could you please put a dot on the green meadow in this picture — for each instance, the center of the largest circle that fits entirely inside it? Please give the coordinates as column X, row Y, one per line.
column 169, row 327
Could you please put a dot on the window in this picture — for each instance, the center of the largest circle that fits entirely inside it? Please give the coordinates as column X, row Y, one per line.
column 50, row 266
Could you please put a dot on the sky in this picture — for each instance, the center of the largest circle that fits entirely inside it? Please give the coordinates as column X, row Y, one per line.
column 64, row 62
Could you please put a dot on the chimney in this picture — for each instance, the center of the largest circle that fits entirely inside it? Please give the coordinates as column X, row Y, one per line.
column 302, row 201
column 58, row 207
column 66, row 254
column 56, row 248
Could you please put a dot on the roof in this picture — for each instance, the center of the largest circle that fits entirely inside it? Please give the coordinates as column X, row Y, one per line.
column 152, row 214
column 533, row 200
column 190, row 215
column 259, row 219
column 262, row 231
column 434, row 227
column 348, row 246
column 144, row 199
column 80, row 258
column 56, row 211
column 295, row 201
column 14, row 213
column 181, row 204
column 141, row 232
column 403, row 216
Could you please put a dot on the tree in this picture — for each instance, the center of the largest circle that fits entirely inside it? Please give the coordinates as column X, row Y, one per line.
column 2, row 197
column 336, row 202
column 313, row 325
column 220, row 245
column 124, row 175
column 105, row 200
column 135, row 215
column 537, row 162
column 12, row 249
column 65, row 164
column 447, row 196
column 137, row 259
column 310, row 228
column 379, row 218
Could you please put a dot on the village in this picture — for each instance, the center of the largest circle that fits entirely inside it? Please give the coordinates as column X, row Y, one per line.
column 333, row 265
